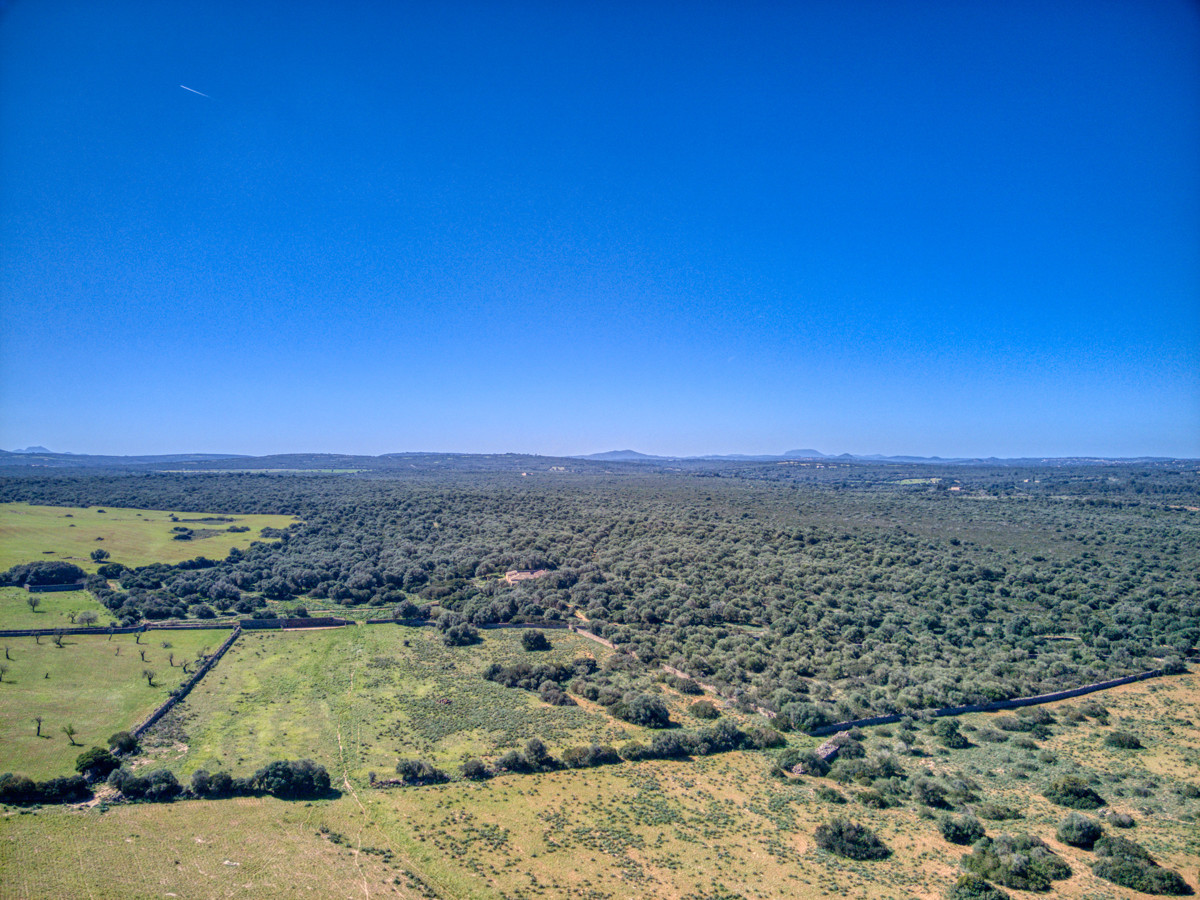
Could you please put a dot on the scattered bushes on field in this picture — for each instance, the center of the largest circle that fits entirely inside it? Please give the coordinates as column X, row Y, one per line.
column 851, row 840
column 997, row 812
column 946, row 731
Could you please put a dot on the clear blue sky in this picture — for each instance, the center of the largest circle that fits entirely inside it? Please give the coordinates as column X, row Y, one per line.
column 956, row 228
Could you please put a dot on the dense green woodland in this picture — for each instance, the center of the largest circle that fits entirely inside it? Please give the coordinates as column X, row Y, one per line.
column 823, row 592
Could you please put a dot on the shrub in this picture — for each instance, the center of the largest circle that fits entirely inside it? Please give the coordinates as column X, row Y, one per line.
column 123, row 742
column 475, row 770
column 1116, row 847
column 644, row 710
column 513, row 761
column 1120, row 820
column 65, row 789
column 928, row 793
column 292, row 779
column 827, row 794
column 586, row 757
column 418, row 771
column 533, row 640
column 159, row 786
column 762, row 737
column 971, row 887
column 851, row 840
column 704, row 709
column 1018, row 861
column 686, row 686
column 461, row 635
column 1122, row 740
column 1141, row 876
column 965, row 830
column 947, row 732
column 17, row 789
column 96, row 764
column 1079, row 831
column 997, row 812
column 1072, row 792
column 538, row 756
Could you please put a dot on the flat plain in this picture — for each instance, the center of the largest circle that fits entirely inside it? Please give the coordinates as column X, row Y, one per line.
column 135, row 537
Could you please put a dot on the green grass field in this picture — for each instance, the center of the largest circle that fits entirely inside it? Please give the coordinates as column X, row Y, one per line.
column 135, row 537
column 357, row 699
column 85, row 683
column 53, row 608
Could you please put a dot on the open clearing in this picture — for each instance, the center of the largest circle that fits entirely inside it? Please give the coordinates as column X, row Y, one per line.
column 53, row 610
column 135, row 537
column 87, row 684
column 358, row 698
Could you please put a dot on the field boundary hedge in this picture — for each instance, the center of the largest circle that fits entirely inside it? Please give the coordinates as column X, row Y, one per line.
column 184, row 689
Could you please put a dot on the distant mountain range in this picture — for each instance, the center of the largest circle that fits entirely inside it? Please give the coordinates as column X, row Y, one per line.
column 40, row 457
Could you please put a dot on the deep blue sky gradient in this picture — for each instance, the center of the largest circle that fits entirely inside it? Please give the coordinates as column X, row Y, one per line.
column 955, row 228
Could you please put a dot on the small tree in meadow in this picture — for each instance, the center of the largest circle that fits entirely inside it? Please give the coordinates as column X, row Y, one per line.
column 149, row 675
column 34, row 602
column 70, row 732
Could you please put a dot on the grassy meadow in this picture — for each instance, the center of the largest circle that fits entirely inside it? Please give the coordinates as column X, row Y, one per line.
column 135, row 537
column 53, row 608
column 359, row 698
column 86, row 683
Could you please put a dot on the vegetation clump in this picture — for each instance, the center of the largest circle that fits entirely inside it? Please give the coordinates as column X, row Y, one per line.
column 1130, row 865
column 972, row 887
column 851, row 840
column 965, row 830
column 1019, row 861
column 1122, row 740
column 1079, row 831
column 1073, row 792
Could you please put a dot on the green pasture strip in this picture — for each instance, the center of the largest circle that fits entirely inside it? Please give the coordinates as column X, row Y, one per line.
column 53, row 609
column 85, row 683
column 293, row 694
column 135, row 537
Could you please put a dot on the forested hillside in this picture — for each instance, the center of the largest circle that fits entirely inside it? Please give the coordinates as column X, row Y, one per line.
column 821, row 592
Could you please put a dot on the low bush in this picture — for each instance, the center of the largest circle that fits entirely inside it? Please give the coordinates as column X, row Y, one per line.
column 123, row 742
column 1122, row 740
column 418, row 771
column 971, row 887
column 96, row 764
column 851, row 840
column 1018, row 861
column 704, row 709
column 475, row 770
column 534, row 641
column 587, row 757
column 997, row 812
column 965, row 830
column 1142, row 876
column 1072, row 792
column 1079, row 831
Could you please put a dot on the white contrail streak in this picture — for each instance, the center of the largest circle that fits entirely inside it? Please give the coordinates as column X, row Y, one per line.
column 194, row 91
